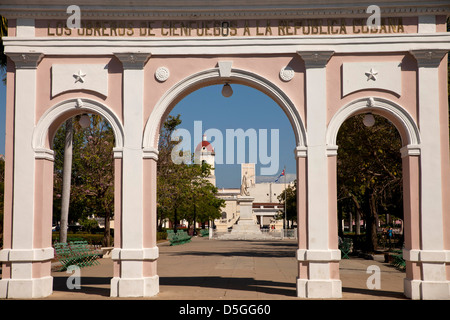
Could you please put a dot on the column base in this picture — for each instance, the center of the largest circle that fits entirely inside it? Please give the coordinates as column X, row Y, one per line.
column 26, row 288
column 135, row 287
column 319, row 288
column 427, row 290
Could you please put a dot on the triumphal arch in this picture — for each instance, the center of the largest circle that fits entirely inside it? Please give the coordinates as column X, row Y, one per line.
column 132, row 61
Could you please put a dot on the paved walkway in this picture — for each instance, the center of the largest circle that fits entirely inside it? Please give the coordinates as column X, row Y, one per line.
column 222, row 270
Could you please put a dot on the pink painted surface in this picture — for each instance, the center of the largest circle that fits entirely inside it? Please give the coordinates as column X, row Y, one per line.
column 9, row 155
column 445, row 157
column 41, row 269
column 43, row 204
column 334, row 86
column 266, row 66
column 44, row 99
column 12, row 27
column 411, row 201
column 302, row 204
column 118, row 203
column 149, row 219
column 332, row 203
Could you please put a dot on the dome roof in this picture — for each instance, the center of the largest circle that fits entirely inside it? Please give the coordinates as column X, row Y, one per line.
column 204, row 146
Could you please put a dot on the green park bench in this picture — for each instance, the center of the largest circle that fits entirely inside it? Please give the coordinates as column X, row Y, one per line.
column 75, row 253
column 204, row 232
column 398, row 260
column 345, row 248
column 179, row 237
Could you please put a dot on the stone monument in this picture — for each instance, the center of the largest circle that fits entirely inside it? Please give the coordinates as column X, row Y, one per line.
column 246, row 228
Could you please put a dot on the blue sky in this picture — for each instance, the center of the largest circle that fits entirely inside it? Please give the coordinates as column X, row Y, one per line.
column 246, row 109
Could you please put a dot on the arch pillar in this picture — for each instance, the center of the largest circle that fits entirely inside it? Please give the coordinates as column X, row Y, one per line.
column 318, row 274
column 432, row 257
column 27, row 252
column 134, row 257
column 411, row 208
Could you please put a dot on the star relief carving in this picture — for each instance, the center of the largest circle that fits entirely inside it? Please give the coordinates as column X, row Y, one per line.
column 371, row 75
column 79, row 77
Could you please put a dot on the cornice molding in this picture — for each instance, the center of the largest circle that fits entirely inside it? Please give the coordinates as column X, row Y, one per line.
column 178, row 10
column 222, row 46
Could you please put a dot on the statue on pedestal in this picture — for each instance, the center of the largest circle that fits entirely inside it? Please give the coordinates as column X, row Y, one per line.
column 244, row 186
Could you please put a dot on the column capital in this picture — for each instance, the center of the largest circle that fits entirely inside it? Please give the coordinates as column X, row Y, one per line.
column 150, row 153
column 133, row 60
column 301, row 152
column 332, row 150
column 315, row 59
column 410, row 150
column 44, row 153
column 428, row 58
column 26, row 60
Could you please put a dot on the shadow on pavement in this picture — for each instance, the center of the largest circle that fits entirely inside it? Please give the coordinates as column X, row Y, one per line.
column 246, row 284
column 375, row 293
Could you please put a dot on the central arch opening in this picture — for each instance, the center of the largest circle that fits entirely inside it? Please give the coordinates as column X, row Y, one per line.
column 227, row 267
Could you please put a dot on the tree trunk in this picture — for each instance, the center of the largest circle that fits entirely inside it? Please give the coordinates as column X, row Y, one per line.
column 340, row 223
column 67, row 176
column 350, row 221
column 371, row 226
column 358, row 215
column 107, row 233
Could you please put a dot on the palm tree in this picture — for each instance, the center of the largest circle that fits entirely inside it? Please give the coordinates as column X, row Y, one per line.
column 67, row 176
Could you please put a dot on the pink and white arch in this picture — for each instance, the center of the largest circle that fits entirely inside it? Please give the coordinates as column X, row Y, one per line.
column 134, row 80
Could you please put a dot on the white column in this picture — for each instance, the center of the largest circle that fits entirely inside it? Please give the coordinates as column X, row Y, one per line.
column 132, row 254
column 318, row 255
column 432, row 256
column 22, row 254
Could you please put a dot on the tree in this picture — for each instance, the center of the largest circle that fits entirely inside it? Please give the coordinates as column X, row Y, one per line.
column 289, row 195
column 66, row 180
column 92, row 179
column 369, row 171
column 183, row 189
column 96, row 173
column 59, row 145
column 200, row 203
column 166, row 170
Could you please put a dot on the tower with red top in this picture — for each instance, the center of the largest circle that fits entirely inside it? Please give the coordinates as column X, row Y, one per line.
column 204, row 153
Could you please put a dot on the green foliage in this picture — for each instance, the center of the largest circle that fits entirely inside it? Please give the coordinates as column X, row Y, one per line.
column 94, row 239
column 183, row 190
column 290, row 194
column 88, row 224
column 369, row 171
column 92, row 187
column 161, row 235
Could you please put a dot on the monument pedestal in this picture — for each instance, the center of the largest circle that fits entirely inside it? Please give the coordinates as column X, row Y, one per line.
column 246, row 228
column 246, row 223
